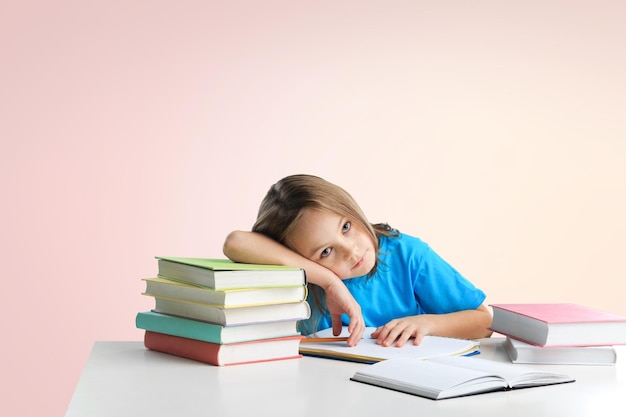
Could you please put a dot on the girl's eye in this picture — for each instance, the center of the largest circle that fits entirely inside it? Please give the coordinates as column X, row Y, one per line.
column 325, row 252
column 346, row 227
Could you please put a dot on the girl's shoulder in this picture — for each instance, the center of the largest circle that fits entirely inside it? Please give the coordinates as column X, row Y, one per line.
column 402, row 241
column 403, row 248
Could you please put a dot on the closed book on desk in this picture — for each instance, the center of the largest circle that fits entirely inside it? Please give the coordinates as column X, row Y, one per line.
column 221, row 274
column 222, row 355
column 521, row 352
column 453, row 376
column 559, row 324
column 214, row 333
column 233, row 316
column 368, row 351
column 167, row 288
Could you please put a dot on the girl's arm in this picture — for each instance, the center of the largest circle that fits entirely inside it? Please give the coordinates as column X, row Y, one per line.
column 466, row 324
column 256, row 248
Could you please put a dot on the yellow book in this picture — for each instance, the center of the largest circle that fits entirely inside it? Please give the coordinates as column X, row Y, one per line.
column 168, row 288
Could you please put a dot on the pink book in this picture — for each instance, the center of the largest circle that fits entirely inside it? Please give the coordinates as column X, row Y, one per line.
column 555, row 324
column 261, row 350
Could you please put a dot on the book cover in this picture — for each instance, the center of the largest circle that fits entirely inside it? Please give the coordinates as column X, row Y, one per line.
column 453, row 376
column 210, row 332
column 217, row 264
column 167, row 288
column 220, row 274
column 559, row 324
column 557, row 313
column 223, row 355
column 521, row 352
column 233, row 316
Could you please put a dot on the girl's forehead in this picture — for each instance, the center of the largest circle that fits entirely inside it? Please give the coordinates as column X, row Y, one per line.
column 317, row 217
column 314, row 227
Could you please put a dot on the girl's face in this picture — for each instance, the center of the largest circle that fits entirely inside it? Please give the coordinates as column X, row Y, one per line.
column 334, row 242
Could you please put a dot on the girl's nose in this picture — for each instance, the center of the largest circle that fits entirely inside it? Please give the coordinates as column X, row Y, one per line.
column 349, row 250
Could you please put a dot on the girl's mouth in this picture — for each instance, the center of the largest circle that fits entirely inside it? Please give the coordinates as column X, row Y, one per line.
column 359, row 263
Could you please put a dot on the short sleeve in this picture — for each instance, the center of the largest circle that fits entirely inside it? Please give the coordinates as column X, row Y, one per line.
column 439, row 288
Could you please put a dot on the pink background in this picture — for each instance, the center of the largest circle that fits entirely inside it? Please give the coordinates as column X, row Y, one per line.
column 493, row 130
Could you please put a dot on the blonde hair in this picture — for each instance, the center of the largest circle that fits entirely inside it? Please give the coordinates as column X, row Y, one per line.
column 282, row 208
column 284, row 202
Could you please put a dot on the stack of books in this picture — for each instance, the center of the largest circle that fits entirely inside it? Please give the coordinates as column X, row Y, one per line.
column 224, row 313
column 553, row 333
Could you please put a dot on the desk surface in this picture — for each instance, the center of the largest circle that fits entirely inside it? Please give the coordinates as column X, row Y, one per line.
column 124, row 379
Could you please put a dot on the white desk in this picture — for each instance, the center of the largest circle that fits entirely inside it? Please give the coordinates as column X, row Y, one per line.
column 124, row 379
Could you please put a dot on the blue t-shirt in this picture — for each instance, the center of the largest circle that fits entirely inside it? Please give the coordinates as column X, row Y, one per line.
column 411, row 279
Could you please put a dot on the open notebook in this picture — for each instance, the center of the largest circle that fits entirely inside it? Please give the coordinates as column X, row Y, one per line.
column 368, row 351
column 454, row 376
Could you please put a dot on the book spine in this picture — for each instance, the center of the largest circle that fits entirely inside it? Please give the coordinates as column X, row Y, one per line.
column 187, row 348
column 206, row 352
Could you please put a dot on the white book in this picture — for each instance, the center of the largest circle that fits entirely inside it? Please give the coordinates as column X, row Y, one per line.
column 453, row 376
column 521, row 352
column 233, row 316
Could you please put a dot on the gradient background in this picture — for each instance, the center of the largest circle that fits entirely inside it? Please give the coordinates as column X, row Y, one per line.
column 493, row 130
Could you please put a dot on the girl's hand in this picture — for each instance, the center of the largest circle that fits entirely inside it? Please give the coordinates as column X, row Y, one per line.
column 339, row 301
column 465, row 324
column 399, row 331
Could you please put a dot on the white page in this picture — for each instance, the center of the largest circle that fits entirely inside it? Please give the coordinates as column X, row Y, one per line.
column 428, row 378
column 514, row 373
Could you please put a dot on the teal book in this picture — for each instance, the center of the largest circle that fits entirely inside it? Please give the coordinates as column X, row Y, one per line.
column 214, row 333
column 223, row 274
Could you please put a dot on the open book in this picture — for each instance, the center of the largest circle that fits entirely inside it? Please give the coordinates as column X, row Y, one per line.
column 453, row 376
column 368, row 351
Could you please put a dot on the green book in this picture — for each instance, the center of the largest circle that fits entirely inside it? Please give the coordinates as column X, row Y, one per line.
column 222, row 274
column 214, row 333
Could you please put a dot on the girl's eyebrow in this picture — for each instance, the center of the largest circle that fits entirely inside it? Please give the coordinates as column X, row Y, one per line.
column 316, row 249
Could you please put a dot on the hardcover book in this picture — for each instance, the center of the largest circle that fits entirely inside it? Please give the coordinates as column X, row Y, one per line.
column 521, row 352
column 233, row 316
column 214, row 333
column 167, row 288
column 559, row 324
column 221, row 274
column 222, row 355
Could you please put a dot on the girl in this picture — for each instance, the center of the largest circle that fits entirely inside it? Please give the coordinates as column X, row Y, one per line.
column 363, row 274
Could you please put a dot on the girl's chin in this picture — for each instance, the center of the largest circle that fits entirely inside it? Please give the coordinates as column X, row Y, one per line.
column 363, row 269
